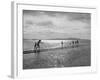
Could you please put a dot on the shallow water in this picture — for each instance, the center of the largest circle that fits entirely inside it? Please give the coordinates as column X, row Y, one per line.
column 62, row 57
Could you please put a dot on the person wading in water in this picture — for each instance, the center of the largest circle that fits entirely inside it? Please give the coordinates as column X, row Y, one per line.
column 62, row 44
column 37, row 46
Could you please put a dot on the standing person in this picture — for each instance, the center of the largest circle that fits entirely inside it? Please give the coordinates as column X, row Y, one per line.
column 62, row 44
column 73, row 44
column 77, row 43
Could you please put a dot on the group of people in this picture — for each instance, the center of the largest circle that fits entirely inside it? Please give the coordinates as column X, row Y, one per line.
column 73, row 43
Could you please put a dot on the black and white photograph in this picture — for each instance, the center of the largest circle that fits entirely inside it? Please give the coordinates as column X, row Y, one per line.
column 55, row 39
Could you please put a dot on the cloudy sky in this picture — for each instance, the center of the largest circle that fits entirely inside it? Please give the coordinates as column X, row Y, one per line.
column 51, row 25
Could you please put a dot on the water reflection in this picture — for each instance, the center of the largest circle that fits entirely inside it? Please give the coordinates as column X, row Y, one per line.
column 47, row 59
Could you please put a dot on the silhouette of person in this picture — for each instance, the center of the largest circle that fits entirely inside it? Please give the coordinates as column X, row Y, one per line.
column 62, row 44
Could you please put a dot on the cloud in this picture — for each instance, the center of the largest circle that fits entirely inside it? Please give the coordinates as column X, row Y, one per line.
column 61, row 24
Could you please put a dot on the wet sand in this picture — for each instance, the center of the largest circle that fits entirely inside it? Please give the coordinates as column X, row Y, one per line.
column 62, row 57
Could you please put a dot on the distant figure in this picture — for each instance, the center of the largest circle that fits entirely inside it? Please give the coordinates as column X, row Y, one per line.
column 62, row 44
column 77, row 42
column 37, row 46
column 70, row 43
column 73, row 42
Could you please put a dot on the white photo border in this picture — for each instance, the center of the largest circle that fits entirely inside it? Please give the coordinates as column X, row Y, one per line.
column 17, row 52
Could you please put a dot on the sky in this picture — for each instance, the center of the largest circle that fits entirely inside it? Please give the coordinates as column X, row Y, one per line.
column 52, row 25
